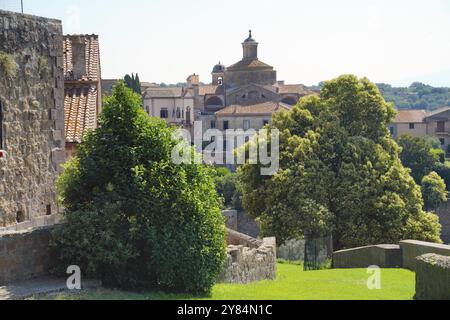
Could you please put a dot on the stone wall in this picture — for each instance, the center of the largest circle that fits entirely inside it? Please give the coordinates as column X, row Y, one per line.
column 444, row 218
column 33, row 118
column 433, row 277
column 249, row 264
column 25, row 255
column 413, row 249
column 384, row 256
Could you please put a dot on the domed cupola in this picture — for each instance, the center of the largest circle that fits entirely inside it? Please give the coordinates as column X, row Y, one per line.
column 219, row 68
column 218, row 74
column 250, row 48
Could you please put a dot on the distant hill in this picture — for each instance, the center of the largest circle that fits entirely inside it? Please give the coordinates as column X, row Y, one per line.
column 416, row 96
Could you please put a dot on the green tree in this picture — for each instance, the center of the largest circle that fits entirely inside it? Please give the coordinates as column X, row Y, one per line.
column 433, row 191
column 340, row 173
column 418, row 155
column 133, row 83
column 133, row 218
column 227, row 186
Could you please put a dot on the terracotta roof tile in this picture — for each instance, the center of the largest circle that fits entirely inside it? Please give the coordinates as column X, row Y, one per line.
column 246, row 64
column 92, row 57
column 266, row 108
column 410, row 116
column 81, row 92
column 80, row 107
column 210, row 90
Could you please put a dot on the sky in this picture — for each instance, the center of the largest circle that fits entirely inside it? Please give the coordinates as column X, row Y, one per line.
column 388, row 41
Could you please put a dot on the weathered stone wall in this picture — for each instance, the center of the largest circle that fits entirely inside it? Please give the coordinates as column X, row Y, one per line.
column 413, row 249
column 33, row 118
column 433, row 277
column 238, row 239
column 384, row 256
column 444, row 218
column 249, row 264
column 25, row 255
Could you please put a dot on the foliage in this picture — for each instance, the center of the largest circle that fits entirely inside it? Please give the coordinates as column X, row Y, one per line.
column 433, row 191
column 227, row 187
column 417, row 96
column 8, row 65
column 133, row 218
column 292, row 283
column 418, row 155
column 340, row 173
column 443, row 170
column 133, row 83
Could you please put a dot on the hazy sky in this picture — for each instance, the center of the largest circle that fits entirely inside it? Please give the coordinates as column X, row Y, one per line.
column 392, row 41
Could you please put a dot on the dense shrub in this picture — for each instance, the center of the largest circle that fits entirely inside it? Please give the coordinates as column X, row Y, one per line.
column 133, row 218
column 433, row 191
column 228, row 188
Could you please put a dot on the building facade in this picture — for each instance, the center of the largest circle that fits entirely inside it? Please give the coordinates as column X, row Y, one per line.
column 31, row 119
column 244, row 95
column 419, row 123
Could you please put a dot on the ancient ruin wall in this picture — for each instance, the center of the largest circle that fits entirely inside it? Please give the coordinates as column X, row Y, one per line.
column 249, row 261
column 31, row 94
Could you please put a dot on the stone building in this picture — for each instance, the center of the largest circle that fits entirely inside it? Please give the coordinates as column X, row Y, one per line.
column 419, row 123
column 243, row 95
column 83, row 89
column 31, row 119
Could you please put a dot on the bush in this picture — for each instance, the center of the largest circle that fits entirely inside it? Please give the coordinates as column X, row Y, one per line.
column 133, row 218
column 433, row 191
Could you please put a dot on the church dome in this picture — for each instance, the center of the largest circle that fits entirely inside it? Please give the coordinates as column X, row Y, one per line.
column 219, row 68
column 250, row 38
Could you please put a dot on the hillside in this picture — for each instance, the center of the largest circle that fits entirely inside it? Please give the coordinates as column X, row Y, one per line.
column 417, row 96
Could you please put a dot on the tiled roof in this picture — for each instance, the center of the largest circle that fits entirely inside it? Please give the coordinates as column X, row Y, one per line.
column 410, row 116
column 266, row 108
column 92, row 57
column 81, row 91
column 294, row 88
column 80, row 106
column 211, row 90
column 437, row 112
column 247, row 64
column 168, row 92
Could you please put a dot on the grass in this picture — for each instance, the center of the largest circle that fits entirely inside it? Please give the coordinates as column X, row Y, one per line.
column 292, row 284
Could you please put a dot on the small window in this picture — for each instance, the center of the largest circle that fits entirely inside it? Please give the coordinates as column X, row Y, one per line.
column 178, row 113
column 48, row 210
column 213, row 124
column 412, row 126
column 20, row 216
column 246, row 124
column 226, row 125
column 391, row 129
column 164, row 114
column 265, row 123
column 442, row 140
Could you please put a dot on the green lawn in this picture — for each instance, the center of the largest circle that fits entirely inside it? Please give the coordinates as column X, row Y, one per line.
column 292, row 284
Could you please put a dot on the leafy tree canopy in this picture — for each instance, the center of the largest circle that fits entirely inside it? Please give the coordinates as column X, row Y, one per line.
column 133, row 218
column 340, row 173
column 433, row 191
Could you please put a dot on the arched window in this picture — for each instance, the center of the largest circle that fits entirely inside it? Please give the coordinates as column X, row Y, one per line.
column 214, row 102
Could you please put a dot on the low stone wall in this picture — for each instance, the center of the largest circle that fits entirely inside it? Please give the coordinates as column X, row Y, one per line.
column 413, row 249
column 239, row 239
column 432, row 277
column 384, row 256
column 25, row 255
column 249, row 260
